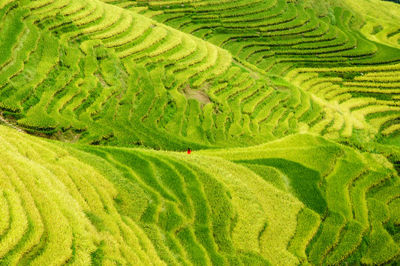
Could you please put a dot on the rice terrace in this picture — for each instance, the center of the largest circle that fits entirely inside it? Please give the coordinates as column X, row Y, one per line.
column 199, row 132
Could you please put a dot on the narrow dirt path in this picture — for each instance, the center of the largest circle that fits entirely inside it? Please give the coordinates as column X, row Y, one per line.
column 3, row 120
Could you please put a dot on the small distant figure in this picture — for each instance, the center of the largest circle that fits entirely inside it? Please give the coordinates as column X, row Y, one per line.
column 189, row 151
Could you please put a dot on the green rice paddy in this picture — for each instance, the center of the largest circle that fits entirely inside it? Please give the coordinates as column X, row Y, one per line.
column 291, row 109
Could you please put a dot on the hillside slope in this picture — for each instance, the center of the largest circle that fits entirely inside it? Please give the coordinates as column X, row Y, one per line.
column 290, row 107
column 352, row 81
column 159, row 87
column 136, row 206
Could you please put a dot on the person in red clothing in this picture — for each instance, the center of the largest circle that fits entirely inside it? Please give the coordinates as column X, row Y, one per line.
column 189, row 150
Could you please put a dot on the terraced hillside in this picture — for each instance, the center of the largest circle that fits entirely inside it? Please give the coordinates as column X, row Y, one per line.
column 290, row 107
column 72, row 204
column 287, row 38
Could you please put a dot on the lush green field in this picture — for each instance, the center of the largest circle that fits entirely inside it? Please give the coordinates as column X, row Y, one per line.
column 291, row 109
